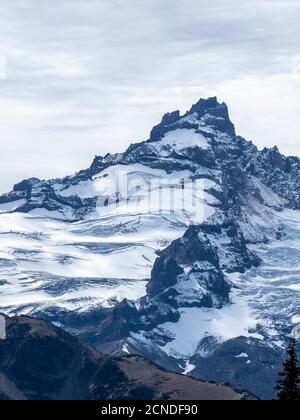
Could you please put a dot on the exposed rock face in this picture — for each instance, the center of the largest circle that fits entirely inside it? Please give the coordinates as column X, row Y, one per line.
column 41, row 362
column 232, row 155
column 198, row 259
column 247, row 362
column 158, row 132
column 280, row 173
column 190, row 273
column 194, row 246
column 124, row 278
column 163, row 276
column 26, row 185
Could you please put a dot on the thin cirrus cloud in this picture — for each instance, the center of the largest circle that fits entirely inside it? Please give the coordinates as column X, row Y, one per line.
column 86, row 78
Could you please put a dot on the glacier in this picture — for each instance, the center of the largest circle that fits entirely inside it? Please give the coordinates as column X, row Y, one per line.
column 191, row 291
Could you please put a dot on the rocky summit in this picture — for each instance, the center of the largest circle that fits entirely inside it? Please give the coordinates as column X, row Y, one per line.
column 184, row 249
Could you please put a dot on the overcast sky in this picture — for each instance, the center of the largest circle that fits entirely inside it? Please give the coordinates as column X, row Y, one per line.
column 87, row 77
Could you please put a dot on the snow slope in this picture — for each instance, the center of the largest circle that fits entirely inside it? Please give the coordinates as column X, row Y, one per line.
column 98, row 252
column 264, row 303
column 98, row 261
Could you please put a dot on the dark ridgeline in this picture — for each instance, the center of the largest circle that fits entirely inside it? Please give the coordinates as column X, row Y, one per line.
column 245, row 181
column 39, row 361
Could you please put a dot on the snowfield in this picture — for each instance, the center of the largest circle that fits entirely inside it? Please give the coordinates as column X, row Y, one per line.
column 265, row 301
column 222, row 296
column 106, row 257
column 195, row 324
column 183, row 138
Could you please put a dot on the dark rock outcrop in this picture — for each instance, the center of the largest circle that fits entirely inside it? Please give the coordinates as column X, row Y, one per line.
column 245, row 187
column 236, row 158
column 243, row 362
column 164, row 275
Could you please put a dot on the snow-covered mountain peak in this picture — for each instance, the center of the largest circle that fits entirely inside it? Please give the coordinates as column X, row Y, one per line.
column 176, row 247
column 207, row 114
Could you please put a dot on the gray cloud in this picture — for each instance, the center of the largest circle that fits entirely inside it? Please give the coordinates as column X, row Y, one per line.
column 88, row 77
